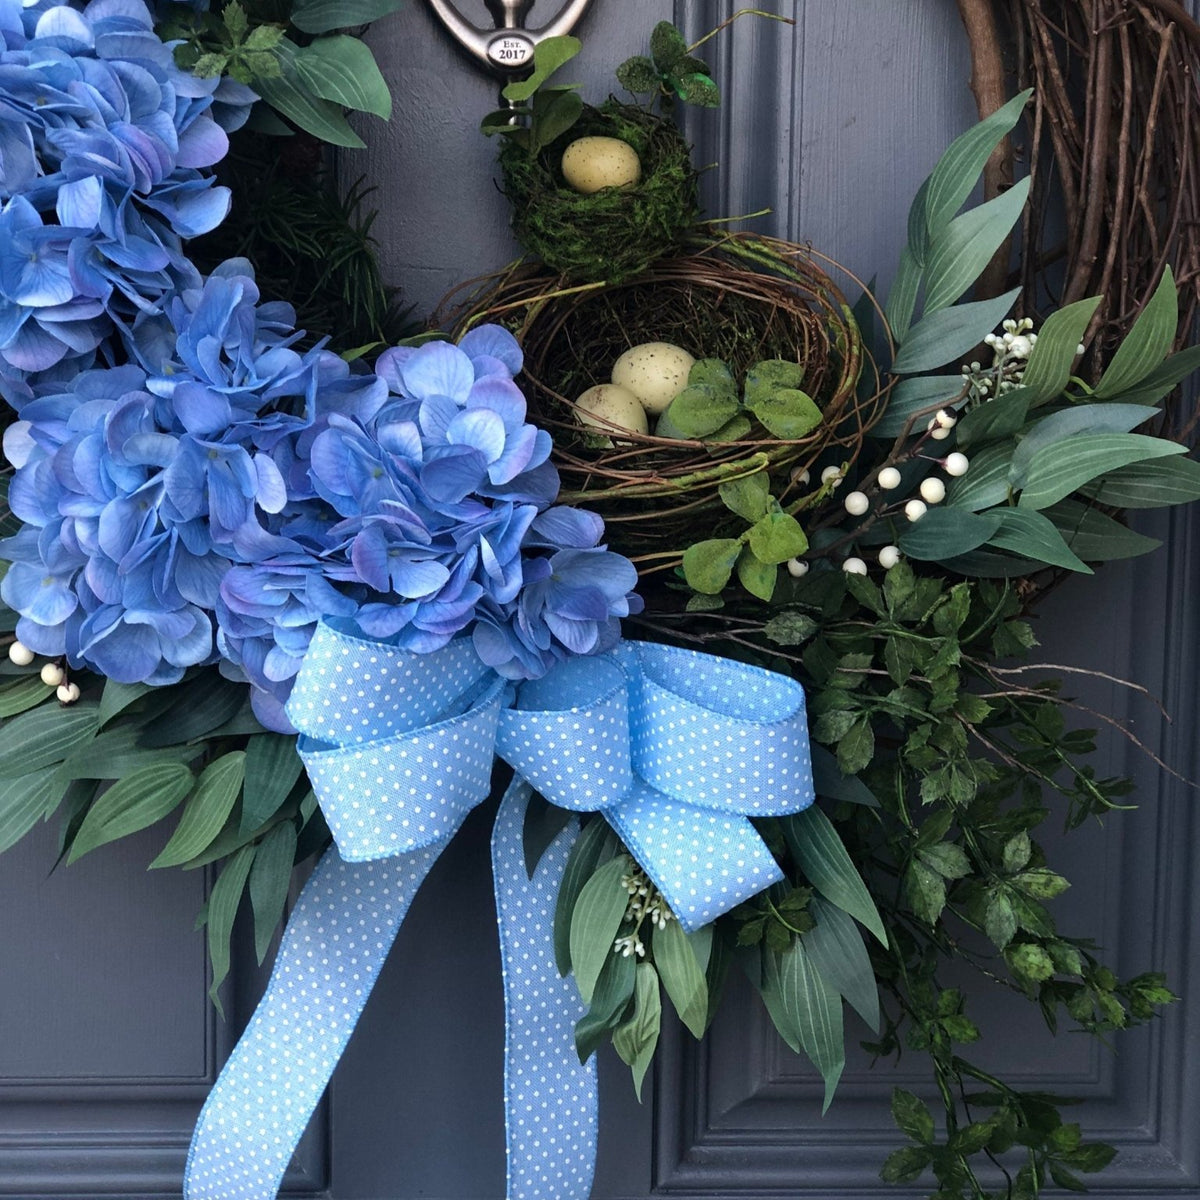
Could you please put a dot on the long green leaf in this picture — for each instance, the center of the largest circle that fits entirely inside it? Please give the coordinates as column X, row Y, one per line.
column 288, row 95
column 132, row 804
column 321, row 16
column 610, row 999
column 1029, row 533
column 902, row 298
column 223, row 904
column 1056, row 471
column 636, row 1040
column 272, row 768
column 682, row 976
column 986, row 483
column 548, row 56
column 116, row 753
column 1164, row 378
column 269, row 880
column 828, row 780
column 960, row 252
column 588, row 852
column 911, row 396
column 23, row 695
column 1049, row 367
column 207, row 703
column 1094, row 535
column 1082, row 418
column 117, row 697
column 947, row 335
column 1147, row 344
column 206, row 811
column 342, row 69
column 819, row 852
column 996, row 420
column 944, row 533
column 41, row 738
column 1148, row 484
column 838, row 951
column 812, row 1010
column 24, row 801
column 595, row 921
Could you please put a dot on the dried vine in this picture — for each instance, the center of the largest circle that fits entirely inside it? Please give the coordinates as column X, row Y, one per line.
column 1112, row 145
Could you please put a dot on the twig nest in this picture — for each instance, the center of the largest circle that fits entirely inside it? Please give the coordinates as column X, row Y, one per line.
column 592, row 163
column 609, row 405
column 655, row 372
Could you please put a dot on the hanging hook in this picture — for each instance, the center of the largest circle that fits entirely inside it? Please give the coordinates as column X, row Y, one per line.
column 507, row 48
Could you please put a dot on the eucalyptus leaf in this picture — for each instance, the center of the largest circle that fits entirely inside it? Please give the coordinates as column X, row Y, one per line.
column 838, row 951
column 595, row 921
column 1080, row 418
column 610, row 999
column 117, row 697
column 1164, row 378
column 1048, row 368
column 947, row 335
column 1056, row 471
column 1034, row 536
column 204, row 705
column 1146, row 344
column 944, row 533
column 132, row 804
column 342, row 69
column 206, row 811
column 820, row 854
column 828, row 780
column 682, row 976
column 270, row 878
column 117, row 752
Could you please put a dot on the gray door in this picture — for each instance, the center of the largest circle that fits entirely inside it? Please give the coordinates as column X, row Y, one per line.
column 107, row 1043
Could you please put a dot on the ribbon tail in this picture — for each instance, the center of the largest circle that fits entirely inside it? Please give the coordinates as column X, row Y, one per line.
column 335, row 943
column 550, row 1100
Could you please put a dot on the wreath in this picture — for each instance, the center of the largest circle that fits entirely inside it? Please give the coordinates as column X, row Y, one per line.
column 304, row 603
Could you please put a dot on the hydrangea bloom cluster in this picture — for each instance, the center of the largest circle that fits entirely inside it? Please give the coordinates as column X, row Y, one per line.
column 218, row 496
column 104, row 145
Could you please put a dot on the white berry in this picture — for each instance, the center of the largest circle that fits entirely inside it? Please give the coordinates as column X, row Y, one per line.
column 52, row 674
column 857, row 503
column 889, row 479
column 956, row 464
column 832, row 473
column 939, row 434
column 68, row 693
column 933, row 491
column 20, row 654
column 944, row 417
column 889, row 556
column 1020, row 346
column 914, row 510
column 854, row 566
column 797, row 568
column 800, row 476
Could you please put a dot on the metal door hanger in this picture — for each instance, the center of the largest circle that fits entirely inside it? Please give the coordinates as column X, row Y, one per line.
column 507, row 47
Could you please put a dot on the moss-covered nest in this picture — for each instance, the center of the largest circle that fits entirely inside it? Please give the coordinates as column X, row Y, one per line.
column 737, row 297
column 611, row 234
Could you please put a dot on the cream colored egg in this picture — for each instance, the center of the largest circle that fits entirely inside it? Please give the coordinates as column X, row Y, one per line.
column 655, row 372
column 592, row 163
column 610, row 408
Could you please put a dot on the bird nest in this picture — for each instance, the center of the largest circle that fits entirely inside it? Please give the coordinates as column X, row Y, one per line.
column 736, row 297
column 614, row 233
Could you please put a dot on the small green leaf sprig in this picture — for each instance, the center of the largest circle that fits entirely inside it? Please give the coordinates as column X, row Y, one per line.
column 539, row 112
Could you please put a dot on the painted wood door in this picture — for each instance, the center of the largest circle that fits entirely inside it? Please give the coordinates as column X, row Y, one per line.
column 107, row 1043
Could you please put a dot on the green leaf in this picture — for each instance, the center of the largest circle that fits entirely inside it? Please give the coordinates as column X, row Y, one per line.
column 1033, row 535
column 116, row 753
column 637, row 1038
column 960, row 167
column 943, row 533
column 947, row 859
column 41, row 738
column 902, row 298
column 776, row 538
column 207, row 703
column 1164, row 378
column 610, row 999
column 1017, row 852
column 772, row 375
column 837, row 950
column 787, row 412
column 543, row 823
column 639, row 74
column 1083, row 418
column 585, row 856
column 922, row 393
column 206, row 811
column 595, row 922
column 24, row 801
column 996, row 419
column 1056, row 471
column 812, row 1011
column 959, row 252
column 790, row 629
column 906, row 1164
column 1148, row 484
column 1147, row 344
column 343, row 70
column 714, row 373
column 1042, row 883
column 828, row 781
column 235, row 21
column 708, row 565
column 682, row 976
column 290, row 96
column 748, row 496
column 272, row 768
column 1095, row 536
column 548, row 56
column 270, row 878
column 132, row 804
column 986, row 483
column 946, row 335
column 926, row 891
column 818, row 851
column 1000, row 920
column 756, row 576
column 698, row 88
column 667, row 47
column 856, row 748
column 554, row 112
column 1049, row 367
column 222, row 908
column 117, row 697
column 320, row 16
column 22, row 695
column 912, row 1115
column 701, row 409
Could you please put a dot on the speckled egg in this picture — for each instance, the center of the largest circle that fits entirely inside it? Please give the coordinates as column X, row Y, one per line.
column 592, row 163
column 655, row 372
column 607, row 405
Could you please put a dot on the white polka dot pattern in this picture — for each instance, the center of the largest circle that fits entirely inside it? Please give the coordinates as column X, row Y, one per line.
column 550, row 1097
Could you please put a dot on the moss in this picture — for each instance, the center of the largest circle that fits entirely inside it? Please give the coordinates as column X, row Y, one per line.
column 609, row 235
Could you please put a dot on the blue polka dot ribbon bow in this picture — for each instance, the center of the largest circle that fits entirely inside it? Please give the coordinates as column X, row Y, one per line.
column 677, row 749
